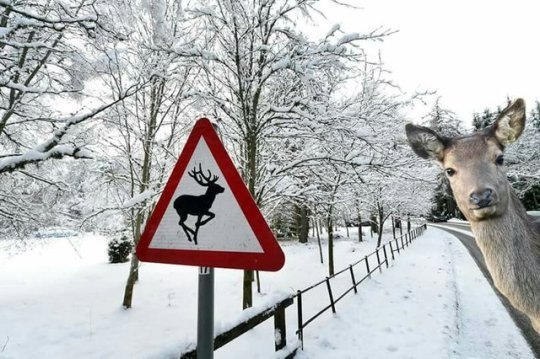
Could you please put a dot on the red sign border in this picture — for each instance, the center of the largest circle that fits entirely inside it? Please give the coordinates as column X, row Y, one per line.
column 272, row 257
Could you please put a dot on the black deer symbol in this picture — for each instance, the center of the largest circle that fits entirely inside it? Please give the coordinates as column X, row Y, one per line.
column 198, row 205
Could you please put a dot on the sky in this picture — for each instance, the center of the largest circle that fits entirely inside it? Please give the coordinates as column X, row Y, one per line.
column 475, row 54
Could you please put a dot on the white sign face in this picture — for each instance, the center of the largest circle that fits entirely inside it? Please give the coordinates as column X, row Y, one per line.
column 228, row 231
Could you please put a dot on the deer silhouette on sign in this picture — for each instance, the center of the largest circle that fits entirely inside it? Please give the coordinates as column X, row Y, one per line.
column 198, row 205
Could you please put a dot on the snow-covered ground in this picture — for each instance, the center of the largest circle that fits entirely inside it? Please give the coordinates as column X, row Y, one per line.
column 63, row 300
column 434, row 303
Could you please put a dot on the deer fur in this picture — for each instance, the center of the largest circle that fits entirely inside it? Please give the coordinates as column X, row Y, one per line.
column 508, row 238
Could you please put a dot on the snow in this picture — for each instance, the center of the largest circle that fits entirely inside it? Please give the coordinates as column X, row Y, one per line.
column 435, row 303
column 333, row 30
column 431, row 302
column 5, row 30
column 281, row 64
column 139, row 198
column 348, row 38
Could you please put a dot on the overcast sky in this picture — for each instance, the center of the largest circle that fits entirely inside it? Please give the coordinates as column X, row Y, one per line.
column 475, row 53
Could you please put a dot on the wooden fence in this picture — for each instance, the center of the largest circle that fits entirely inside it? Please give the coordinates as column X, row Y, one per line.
column 277, row 311
column 372, row 262
column 382, row 255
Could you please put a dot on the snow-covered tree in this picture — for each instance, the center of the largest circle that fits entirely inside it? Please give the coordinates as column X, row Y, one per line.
column 444, row 122
column 143, row 134
column 46, row 102
column 261, row 74
column 523, row 162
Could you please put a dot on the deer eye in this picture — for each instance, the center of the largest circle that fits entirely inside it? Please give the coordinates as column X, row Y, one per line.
column 450, row 172
column 500, row 160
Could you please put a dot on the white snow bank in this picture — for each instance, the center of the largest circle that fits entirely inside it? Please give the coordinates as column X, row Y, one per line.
column 432, row 303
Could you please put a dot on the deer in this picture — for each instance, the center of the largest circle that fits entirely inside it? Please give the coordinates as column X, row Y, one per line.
column 508, row 238
column 198, row 206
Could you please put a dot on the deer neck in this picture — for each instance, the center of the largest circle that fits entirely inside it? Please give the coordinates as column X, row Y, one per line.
column 505, row 235
column 210, row 196
column 507, row 245
column 507, row 231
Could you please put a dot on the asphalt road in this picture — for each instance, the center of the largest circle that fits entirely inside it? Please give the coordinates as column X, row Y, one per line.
column 463, row 232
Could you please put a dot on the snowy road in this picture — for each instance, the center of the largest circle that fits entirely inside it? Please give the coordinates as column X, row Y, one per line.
column 463, row 232
column 434, row 303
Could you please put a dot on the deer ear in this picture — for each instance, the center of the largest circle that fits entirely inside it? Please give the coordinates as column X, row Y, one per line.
column 510, row 123
column 425, row 142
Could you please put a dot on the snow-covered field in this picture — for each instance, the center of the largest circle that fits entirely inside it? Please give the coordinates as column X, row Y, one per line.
column 63, row 300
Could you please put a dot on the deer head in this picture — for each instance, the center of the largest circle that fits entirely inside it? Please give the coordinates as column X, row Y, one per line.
column 206, row 181
column 474, row 164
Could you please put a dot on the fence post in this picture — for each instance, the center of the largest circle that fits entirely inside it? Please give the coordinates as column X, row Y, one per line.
column 367, row 266
column 378, row 259
column 392, row 251
column 300, row 320
column 397, row 246
column 330, row 295
column 280, row 328
column 353, row 280
column 402, row 244
column 385, row 255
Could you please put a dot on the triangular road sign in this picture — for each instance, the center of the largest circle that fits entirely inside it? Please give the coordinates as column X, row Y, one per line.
column 206, row 215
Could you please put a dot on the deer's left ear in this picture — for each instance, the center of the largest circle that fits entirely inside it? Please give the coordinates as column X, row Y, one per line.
column 511, row 122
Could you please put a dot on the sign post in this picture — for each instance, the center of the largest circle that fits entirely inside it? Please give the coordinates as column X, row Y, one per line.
column 205, row 314
column 207, row 217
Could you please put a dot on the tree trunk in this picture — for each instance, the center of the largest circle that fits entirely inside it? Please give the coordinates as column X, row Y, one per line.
column 302, row 223
column 316, row 226
column 380, row 211
column 359, row 228
column 379, row 239
column 132, row 279
column 252, row 149
column 373, row 224
column 156, row 93
column 258, row 279
column 133, row 276
column 393, row 228
column 330, row 247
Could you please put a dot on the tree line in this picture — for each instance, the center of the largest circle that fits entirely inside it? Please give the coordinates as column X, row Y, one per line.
column 97, row 98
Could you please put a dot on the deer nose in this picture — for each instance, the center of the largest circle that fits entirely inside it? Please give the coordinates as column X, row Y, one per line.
column 482, row 198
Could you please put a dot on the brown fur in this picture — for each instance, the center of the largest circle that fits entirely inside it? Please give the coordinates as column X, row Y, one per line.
column 508, row 238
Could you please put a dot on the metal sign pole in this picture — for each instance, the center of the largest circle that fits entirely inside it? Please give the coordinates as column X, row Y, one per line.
column 205, row 314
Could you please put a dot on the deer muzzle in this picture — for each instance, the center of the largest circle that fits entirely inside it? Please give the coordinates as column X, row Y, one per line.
column 482, row 199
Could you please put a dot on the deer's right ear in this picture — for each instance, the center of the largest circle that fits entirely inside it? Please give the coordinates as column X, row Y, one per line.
column 425, row 142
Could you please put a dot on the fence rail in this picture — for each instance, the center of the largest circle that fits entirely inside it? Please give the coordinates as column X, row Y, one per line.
column 381, row 255
column 404, row 240
column 277, row 311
